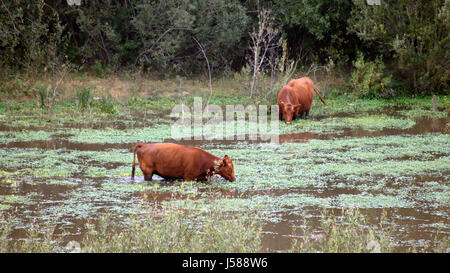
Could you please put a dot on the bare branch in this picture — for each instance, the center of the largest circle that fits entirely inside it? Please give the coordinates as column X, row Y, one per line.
column 263, row 41
column 156, row 42
column 209, row 68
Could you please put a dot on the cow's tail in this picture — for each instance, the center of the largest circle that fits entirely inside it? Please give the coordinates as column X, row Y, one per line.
column 317, row 91
column 139, row 145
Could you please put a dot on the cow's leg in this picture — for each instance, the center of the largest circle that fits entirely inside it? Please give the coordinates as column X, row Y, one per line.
column 297, row 114
column 306, row 114
column 147, row 169
column 148, row 177
column 202, row 178
column 189, row 178
column 148, row 174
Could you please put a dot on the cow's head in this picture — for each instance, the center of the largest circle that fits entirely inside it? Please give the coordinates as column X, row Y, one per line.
column 226, row 169
column 289, row 110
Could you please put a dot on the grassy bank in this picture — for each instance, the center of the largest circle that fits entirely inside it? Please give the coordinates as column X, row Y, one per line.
column 83, row 99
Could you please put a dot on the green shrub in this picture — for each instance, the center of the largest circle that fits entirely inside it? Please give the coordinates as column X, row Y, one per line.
column 106, row 104
column 84, row 98
column 367, row 79
column 43, row 96
column 99, row 70
column 414, row 33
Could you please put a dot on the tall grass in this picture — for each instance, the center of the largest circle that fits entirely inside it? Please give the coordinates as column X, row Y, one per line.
column 351, row 233
column 175, row 230
column 84, row 98
column 168, row 230
column 38, row 239
column 43, row 96
column 106, row 104
column 172, row 229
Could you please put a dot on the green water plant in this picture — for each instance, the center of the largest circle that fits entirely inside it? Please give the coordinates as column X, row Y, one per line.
column 24, row 135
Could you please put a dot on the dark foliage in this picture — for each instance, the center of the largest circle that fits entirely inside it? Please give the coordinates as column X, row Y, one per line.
column 410, row 37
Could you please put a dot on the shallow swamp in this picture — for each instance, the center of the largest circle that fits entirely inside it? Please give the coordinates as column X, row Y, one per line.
column 387, row 157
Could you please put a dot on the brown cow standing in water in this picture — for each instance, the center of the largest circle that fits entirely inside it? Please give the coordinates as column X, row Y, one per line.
column 295, row 98
column 174, row 161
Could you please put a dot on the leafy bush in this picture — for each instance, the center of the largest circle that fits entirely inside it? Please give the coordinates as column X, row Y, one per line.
column 165, row 31
column 98, row 69
column 317, row 29
column 415, row 33
column 31, row 34
column 367, row 79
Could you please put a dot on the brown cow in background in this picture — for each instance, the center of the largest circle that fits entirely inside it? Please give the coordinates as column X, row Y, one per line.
column 174, row 161
column 295, row 98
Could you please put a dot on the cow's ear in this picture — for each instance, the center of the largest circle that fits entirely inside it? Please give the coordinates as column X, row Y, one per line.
column 297, row 106
column 225, row 158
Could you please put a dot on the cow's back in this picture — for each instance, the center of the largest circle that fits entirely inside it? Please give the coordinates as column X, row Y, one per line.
column 174, row 161
column 303, row 89
column 287, row 94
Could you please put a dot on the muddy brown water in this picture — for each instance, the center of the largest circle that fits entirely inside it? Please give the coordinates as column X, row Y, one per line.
column 416, row 224
column 423, row 125
column 55, row 144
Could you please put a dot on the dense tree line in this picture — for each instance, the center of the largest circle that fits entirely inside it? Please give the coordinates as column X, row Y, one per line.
column 407, row 39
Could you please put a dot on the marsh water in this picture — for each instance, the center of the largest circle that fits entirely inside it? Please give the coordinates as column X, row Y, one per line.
column 72, row 174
